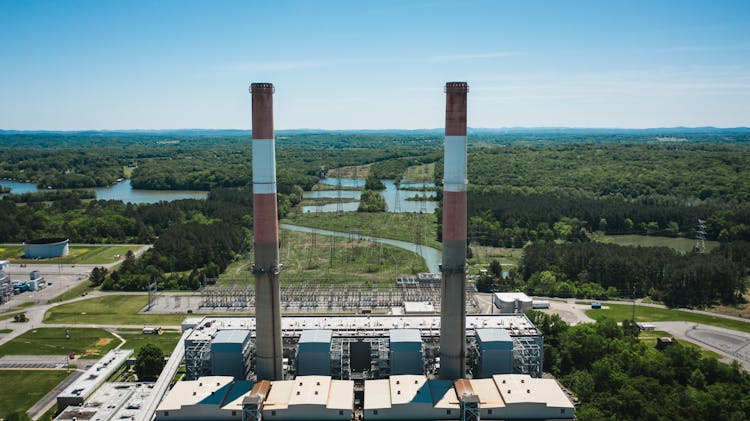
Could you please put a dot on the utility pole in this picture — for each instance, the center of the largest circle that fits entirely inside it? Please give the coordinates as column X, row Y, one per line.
column 634, row 286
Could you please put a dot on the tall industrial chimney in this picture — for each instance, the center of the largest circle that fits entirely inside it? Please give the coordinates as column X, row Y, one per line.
column 268, row 349
column 453, row 292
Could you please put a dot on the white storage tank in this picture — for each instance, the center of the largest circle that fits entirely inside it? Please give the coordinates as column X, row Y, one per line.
column 524, row 304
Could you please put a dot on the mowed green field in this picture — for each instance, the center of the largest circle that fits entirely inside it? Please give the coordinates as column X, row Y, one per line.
column 110, row 309
column 91, row 255
column 135, row 339
column 620, row 312
column 683, row 245
column 398, row 226
column 85, row 342
column 22, row 388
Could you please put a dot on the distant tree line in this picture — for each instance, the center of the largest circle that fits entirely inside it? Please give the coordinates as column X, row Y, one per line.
column 596, row 270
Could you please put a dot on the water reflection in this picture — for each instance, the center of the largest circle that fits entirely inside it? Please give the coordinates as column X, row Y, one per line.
column 396, row 199
column 119, row 191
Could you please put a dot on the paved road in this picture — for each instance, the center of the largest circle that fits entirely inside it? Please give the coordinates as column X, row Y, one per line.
column 730, row 344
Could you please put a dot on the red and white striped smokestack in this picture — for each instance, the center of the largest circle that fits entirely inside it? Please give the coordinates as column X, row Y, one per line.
column 453, row 291
column 268, row 346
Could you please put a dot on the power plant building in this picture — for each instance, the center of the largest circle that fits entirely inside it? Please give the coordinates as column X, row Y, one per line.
column 495, row 349
column 208, row 398
column 314, row 353
column 406, row 352
column 410, row 398
column 310, row 398
column 379, row 367
column 230, row 354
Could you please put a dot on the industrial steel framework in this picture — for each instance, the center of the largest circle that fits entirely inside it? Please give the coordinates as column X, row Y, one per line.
column 527, row 356
column 197, row 359
column 325, row 296
column 341, row 357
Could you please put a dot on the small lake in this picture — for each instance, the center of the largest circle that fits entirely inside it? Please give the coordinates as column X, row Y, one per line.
column 396, row 200
column 119, row 191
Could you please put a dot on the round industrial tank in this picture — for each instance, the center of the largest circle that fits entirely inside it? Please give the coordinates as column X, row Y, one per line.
column 525, row 304
column 45, row 248
column 507, row 305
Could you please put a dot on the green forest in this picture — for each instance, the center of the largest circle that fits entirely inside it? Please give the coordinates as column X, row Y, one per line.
column 617, row 376
column 546, row 190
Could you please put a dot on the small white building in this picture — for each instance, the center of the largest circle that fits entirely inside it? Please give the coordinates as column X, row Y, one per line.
column 418, row 307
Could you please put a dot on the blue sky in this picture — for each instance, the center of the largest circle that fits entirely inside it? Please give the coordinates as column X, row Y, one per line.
column 70, row 65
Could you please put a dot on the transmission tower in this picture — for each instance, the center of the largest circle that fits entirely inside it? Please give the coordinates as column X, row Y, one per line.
column 700, row 236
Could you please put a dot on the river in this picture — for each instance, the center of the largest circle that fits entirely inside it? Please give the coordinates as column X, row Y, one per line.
column 432, row 257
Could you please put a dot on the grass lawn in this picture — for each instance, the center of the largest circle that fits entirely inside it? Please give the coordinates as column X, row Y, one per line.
column 9, row 316
column 76, row 291
column 135, row 339
column 85, row 342
column 621, row 312
column 335, row 259
column 27, row 386
column 94, row 255
column 398, row 226
column 6, row 330
column 683, row 245
column 110, row 309
column 483, row 255
column 17, row 308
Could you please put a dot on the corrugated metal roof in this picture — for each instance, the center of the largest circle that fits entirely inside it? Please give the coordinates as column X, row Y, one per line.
column 316, row 336
column 405, row 335
column 231, row 336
